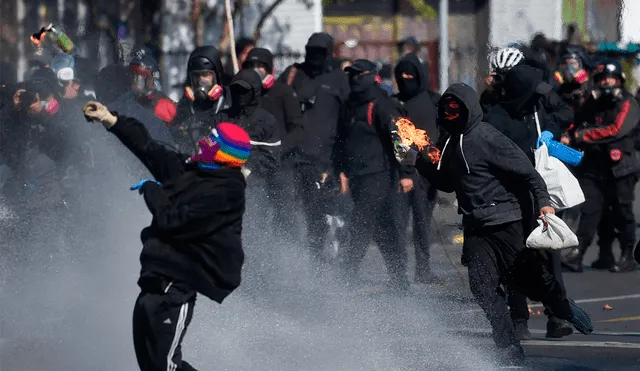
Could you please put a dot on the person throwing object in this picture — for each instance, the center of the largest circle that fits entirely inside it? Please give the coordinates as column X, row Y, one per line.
column 193, row 243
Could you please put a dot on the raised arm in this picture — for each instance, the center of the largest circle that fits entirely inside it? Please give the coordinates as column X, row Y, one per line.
column 162, row 162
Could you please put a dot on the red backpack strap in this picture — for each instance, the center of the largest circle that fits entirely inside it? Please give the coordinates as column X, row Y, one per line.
column 370, row 113
column 292, row 75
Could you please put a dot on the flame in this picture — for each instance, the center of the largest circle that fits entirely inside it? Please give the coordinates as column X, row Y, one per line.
column 410, row 135
column 36, row 38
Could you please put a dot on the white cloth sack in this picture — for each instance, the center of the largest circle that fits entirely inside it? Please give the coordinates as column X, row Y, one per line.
column 564, row 189
column 552, row 234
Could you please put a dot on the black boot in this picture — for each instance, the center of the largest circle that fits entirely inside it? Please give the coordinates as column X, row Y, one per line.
column 557, row 328
column 573, row 260
column 626, row 262
column 603, row 263
column 522, row 330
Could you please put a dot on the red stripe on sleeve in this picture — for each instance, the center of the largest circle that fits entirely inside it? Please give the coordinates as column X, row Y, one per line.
column 609, row 130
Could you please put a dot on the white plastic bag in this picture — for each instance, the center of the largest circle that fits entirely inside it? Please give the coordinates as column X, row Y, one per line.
column 564, row 189
column 552, row 234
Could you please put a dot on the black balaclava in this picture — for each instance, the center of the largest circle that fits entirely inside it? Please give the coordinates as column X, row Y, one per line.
column 319, row 49
column 407, row 88
column 453, row 115
column 241, row 94
column 245, row 90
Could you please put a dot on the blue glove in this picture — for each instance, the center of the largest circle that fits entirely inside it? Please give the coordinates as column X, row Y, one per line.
column 142, row 182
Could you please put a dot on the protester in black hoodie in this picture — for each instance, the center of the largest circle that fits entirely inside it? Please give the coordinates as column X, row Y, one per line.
column 414, row 94
column 322, row 91
column 280, row 100
column 193, row 243
column 245, row 90
column 483, row 168
column 366, row 157
column 519, row 117
column 204, row 96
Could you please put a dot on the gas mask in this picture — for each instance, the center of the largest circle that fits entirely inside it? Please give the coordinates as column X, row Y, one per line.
column 203, row 85
column 607, row 92
column 453, row 115
column 267, row 79
column 140, row 84
column 571, row 71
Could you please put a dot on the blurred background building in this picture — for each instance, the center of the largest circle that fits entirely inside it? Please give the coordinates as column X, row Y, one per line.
column 106, row 30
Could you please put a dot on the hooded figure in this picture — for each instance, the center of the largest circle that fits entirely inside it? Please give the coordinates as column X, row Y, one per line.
column 194, row 243
column 521, row 109
column 322, row 91
column 518, row 116
column 278, row 99
column 483, row 167
column 245, row 90
column 415, row 97
column 365, row 156
column 204, row 96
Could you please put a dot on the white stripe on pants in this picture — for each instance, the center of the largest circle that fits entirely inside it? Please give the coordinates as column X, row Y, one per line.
column 182, row 318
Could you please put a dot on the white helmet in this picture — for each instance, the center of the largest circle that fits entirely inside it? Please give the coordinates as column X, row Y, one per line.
column 505, row 59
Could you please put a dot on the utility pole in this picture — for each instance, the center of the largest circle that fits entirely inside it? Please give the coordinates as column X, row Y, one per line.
column 443, row 68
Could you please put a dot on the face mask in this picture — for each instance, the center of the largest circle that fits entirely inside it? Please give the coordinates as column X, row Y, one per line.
column 316, row 57
column 361, row 83
column 452, row 115
column 51, row 107
column 139, row 84
column 241, row 96
column 607, row 93
column 408, row 87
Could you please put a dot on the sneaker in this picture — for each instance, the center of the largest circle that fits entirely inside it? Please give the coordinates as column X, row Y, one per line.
column 522, row 331
column 580, row 320
column 557, row 328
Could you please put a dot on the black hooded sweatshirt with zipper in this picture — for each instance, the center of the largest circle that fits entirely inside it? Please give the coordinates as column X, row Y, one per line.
column 322, row 91
column 191, row 120
column 364, row 143
column 260, row 124
column 195, row 234
column 483, row 167
column 515, row 115
column 415, row 96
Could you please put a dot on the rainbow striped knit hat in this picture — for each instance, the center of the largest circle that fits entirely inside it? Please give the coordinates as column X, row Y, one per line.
column 228, row 145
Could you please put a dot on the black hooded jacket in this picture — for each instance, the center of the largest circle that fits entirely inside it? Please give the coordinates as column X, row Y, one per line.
column 483, row 167
column 260, row 124
column 190, row 123
column 515, row 115
column 417, row 99
column 322, row 92
column 195, row 234
column 281, row 101
column 364, row 143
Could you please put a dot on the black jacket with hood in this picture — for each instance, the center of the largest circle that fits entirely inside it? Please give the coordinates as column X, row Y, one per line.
column 195, row 234
column 364, row 143
column 322, row 92
column 260, row 124
column 515, row 116
column 607, row 135
column 557, row 110
column 190, row 123
column 483, row 167
column 417, row 100
column 281, row 101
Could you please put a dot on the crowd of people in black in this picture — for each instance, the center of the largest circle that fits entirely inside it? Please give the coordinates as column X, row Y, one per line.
column 324, row 142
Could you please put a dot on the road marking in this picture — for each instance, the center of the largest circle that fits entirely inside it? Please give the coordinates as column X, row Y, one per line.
column 536, row 331
column 581, row 301
column 622, row 319
column 586, row 344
